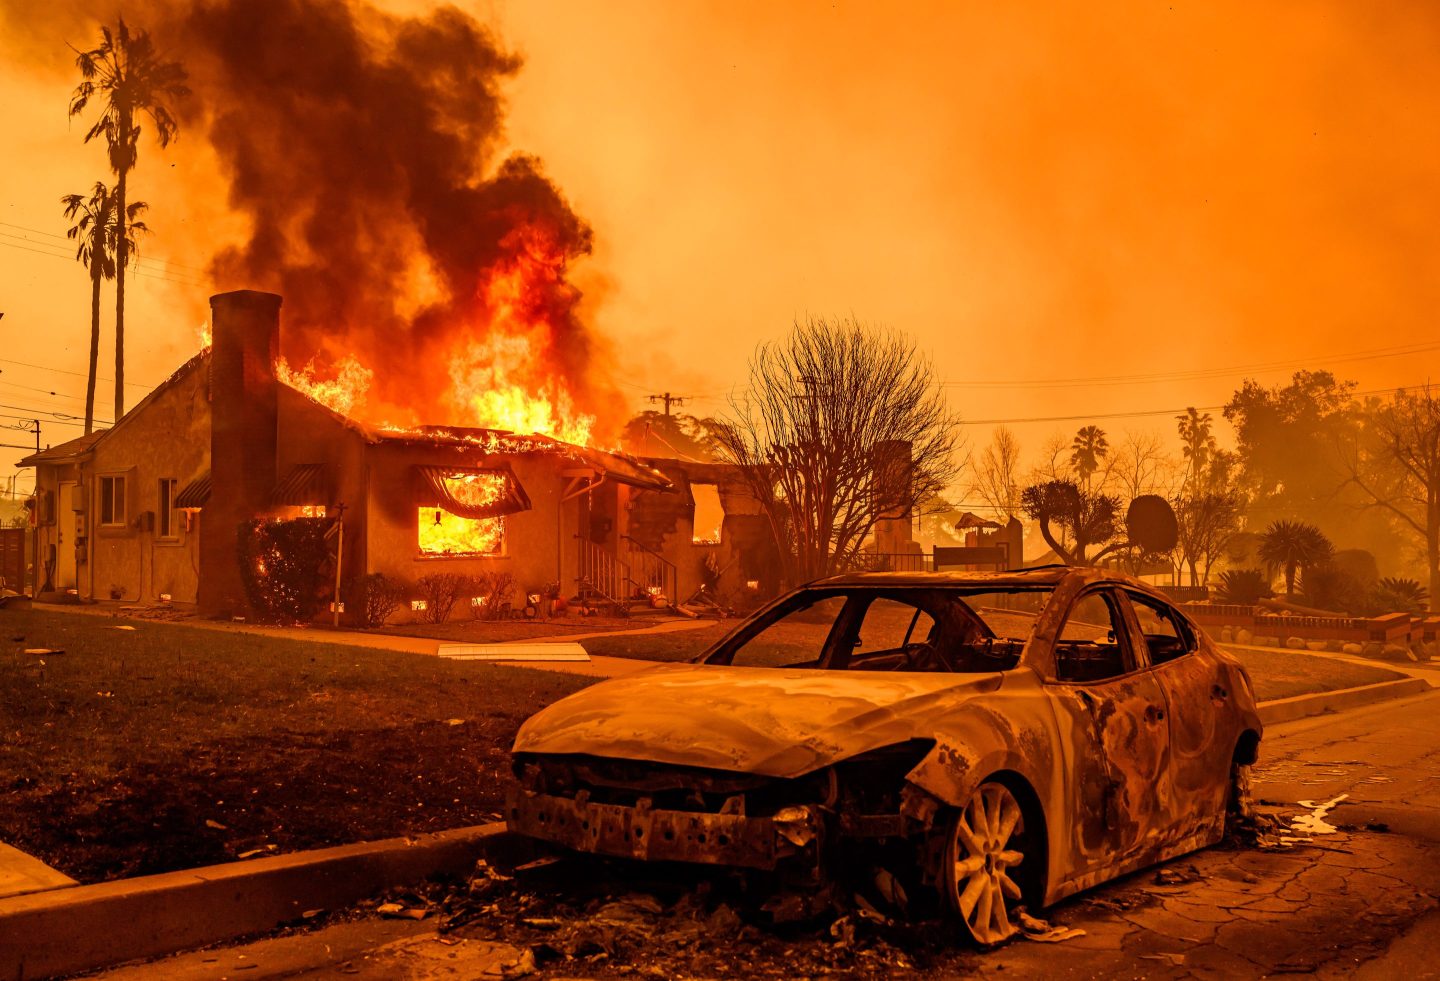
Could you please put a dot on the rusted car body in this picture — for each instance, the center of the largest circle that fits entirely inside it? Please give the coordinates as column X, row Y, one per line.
column 1055, row 728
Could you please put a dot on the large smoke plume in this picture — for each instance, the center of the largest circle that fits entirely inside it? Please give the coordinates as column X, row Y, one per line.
column 363, row 148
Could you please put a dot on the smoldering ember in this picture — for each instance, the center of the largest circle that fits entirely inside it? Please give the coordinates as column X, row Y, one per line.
column 571, row 490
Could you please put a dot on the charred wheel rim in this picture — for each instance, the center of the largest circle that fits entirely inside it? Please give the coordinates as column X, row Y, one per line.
column 985, row 843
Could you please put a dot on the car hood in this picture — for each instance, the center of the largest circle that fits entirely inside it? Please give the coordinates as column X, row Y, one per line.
column 770, row 721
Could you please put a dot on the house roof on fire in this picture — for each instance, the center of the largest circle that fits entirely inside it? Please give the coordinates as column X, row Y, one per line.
column 620, row 467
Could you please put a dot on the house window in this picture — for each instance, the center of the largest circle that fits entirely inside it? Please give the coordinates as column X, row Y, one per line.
column 709, row 515
column 112, row 500
column 443, row 533
column 168, row 515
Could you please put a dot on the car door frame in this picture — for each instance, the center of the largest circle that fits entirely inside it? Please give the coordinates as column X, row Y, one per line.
column 1114, row 799
column 1202, row 746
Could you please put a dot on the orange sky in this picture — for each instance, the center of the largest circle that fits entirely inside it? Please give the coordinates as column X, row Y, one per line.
column 1115, row 189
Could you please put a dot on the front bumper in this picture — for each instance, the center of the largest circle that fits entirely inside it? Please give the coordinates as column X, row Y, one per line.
column 644, row 833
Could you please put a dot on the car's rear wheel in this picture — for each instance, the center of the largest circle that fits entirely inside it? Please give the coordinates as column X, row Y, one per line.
column 984, row 841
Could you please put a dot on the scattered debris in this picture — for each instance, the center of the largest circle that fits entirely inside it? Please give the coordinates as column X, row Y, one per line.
column 44, row 651
column 1036, row 929
column 211, row 823
column 121, row 626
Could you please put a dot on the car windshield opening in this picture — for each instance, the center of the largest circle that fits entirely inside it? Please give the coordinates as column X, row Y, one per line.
column 936, row 630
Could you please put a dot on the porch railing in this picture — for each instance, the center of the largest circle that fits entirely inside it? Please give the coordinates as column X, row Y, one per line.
column 602, row 574
column 650, row 569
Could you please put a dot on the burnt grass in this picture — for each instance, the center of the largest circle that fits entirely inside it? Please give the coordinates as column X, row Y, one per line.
column 168, row 747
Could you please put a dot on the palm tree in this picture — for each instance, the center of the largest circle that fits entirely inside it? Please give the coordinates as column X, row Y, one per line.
column 1293, row 545
column 1194, row 428
column 95, row 244
column 1086, row 452
column 132, row 78
column 93, row 250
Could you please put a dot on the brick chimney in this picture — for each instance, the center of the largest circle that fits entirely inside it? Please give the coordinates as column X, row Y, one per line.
column 245, row 338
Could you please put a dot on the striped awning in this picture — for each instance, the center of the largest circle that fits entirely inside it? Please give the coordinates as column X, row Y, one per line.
column 305, row 484
column 196, row 493
column 465, row 491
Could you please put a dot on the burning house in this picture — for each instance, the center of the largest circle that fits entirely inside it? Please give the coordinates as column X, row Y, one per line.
column 153, row 506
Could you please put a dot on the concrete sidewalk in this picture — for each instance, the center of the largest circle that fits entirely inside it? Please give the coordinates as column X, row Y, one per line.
column 597, row 666
column 21, row 874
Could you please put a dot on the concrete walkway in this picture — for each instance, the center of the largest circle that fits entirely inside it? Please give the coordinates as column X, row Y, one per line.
column 597, row 666
column 21, row 874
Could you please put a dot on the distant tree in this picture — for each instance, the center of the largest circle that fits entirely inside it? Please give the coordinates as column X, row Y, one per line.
column 1207, row 524
column 842, row 426
column 91, row 233
column 1288, row 441
column 1198, row 444
column 132, row 79
column 1293, row 546
column 1087, row 451
column 997, row 474
column 1140, row 465
column 1073, row 520
column 1395, row 464
column 683, row 436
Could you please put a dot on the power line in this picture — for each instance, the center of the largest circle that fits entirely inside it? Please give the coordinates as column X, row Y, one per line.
column 71, row 258
column 64, row 371
column 67, row 238
column 1157, row 412
column 1197, row 373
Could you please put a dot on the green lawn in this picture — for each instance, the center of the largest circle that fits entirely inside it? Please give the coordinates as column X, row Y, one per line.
column 167, row 746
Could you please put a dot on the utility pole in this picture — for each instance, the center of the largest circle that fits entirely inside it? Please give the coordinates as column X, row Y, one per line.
column 668, row 399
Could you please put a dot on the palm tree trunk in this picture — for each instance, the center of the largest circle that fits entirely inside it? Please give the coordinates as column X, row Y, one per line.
column 95, row 273
column 122, row 258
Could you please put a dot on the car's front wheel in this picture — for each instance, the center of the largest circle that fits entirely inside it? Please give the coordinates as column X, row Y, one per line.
column 984, row 841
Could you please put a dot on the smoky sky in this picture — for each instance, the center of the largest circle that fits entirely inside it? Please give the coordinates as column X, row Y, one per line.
column 361, row 146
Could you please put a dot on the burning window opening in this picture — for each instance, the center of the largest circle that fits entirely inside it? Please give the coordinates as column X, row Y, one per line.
column 443, row 533
column 709, row 514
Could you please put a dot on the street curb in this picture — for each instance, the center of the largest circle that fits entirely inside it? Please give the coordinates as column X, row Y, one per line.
column 1304, row 706
column 81, row 928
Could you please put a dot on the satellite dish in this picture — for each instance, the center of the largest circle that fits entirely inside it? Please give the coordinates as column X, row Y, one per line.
column 1150, row 523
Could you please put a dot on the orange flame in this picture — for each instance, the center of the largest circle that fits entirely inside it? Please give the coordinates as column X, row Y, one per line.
column 502, row 371
column 205, row 335
column 443, row 533
column 343, row 393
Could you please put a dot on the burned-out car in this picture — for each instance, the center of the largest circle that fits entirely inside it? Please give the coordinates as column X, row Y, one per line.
column 1017, row 736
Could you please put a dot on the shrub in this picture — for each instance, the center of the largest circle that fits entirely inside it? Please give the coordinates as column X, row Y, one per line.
column 1244, row 586
column 1392, row 595
column 1359, row 563
column 284, row 567
column 372, row 598
column 1327, row 587
column 440, row 592
column 493, row 588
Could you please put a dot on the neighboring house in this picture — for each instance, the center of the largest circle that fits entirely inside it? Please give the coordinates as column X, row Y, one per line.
column 152, row 507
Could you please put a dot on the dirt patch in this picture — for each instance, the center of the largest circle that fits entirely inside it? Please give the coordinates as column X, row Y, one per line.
column 165, row 747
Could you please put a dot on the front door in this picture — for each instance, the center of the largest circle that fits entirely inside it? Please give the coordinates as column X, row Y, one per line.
column 65, row 538
column 1119, row 753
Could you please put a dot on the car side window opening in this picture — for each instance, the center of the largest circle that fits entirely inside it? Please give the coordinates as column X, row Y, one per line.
column 1091, row 645
column 795, row 640
column 1166, row 636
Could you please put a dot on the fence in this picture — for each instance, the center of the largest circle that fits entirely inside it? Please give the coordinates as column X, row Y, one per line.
column 1392, row 628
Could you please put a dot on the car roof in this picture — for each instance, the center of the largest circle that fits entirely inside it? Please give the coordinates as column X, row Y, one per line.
column 1041, row 576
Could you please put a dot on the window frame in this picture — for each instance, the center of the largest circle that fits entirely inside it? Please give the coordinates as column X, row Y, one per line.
column 167, row 515
column 1183, row 628
column 1119, row 619
column 500, row 553
column 112, row 480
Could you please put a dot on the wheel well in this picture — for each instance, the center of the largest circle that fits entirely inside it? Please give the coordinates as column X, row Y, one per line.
column 1036, row 833
column 1247, row 747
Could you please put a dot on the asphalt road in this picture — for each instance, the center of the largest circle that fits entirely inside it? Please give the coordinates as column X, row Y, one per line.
column 1361, row 902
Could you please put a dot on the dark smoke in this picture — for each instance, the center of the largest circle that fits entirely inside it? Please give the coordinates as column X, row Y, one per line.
column 359, row 143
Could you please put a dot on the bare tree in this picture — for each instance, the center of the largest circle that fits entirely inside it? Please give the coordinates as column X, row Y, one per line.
column 1206, row 524
column 1396, row 464
column 997, row 474
column 842, row 426
column 1139, row 465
